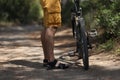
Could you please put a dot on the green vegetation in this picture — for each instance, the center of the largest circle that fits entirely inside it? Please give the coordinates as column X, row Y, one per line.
column 103, row 14
column 66, row 9
column 108, row 45
column 19, row 10
column 117, row 52
column 109, row 17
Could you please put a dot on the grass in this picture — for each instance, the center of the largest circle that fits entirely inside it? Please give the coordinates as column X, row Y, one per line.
column 107, row 46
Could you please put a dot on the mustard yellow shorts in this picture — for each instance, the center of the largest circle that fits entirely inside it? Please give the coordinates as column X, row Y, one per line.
column 52, row 19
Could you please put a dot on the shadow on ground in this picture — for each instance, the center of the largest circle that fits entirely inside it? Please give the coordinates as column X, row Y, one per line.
column 27, row 70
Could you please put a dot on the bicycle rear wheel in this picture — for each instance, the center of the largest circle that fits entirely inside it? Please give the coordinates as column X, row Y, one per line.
column 82, row 43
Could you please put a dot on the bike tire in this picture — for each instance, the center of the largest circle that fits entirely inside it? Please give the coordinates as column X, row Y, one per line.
column 83, row 44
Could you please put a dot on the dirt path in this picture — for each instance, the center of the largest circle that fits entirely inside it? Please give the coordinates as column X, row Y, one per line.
column 21, row 57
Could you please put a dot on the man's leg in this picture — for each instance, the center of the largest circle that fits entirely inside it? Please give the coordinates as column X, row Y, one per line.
column 43, row 40
column 47, row 38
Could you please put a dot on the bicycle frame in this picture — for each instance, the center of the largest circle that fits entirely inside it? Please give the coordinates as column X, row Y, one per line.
column 76, row 14
column 77, row 7
column 79, row 33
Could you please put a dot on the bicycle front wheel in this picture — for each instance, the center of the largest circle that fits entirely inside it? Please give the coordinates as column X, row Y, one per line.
column 83, row 44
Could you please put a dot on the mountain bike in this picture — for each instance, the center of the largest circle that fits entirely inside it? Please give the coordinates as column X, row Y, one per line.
column 80, row 34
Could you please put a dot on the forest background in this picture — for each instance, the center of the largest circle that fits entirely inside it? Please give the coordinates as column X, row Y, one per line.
column 102, row 15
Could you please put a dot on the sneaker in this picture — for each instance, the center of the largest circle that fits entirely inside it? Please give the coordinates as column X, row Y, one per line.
column 57, row 65
column 45, row 63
